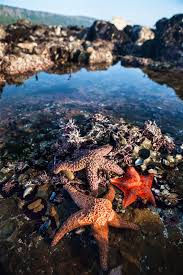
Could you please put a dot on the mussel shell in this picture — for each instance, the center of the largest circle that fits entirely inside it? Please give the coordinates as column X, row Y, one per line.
column 29, row 196
column 55, row 197
column 31, row 213
column 144, row 153
column 139, row 162
column 12, row 191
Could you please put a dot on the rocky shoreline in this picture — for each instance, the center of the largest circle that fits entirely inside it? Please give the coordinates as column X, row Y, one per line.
column 27, row 48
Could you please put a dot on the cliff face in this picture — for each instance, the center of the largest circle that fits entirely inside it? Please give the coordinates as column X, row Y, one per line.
column 10, row 15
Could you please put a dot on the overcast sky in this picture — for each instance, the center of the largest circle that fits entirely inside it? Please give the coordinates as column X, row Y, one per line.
column 145, row 12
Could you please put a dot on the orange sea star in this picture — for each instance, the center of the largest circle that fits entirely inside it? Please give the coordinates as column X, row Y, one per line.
column 134, row 185
column 96, row 212
column 92, row 162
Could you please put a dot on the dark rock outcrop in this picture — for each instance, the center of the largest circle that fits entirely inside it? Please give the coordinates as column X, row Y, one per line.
column 168, row 42
column 106, row 31
column 26, row 48
column 139, row 34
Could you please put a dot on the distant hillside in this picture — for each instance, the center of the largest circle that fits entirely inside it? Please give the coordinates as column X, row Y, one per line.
column 10, row 15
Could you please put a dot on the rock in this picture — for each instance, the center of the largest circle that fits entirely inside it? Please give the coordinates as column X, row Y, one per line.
column 139, row 34
column 167, row 44
column 69, row 174
column 116, row 271
column 34, row 204
column 100, row 56
column 39, row 30
column 2, row 32
column 13, row 65
column 3, row 47
column 23, row 22
column 129, row 60
column 7, row 229
column 27, row 47
column 106, row 31
column 58, row 31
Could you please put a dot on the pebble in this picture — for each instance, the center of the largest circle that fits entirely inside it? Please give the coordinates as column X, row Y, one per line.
column 7, row 229
column 28, row 190
column 34, row 204
column 38, row 208
column 138, row 162
column 69, row 174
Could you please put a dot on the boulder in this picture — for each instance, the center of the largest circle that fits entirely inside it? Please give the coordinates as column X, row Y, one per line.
column 104, row 30
column 23, row 22
column 139, row 34
column 27, row 47
column 100, row 52
column 100, row 56
column 168, row 42
column 2, row 33
column 14, row 65
column 3, row 47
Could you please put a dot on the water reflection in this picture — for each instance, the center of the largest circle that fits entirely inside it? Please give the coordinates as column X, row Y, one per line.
column 128, row 92
column 172, row 79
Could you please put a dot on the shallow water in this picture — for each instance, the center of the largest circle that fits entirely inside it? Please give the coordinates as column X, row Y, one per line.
column 126, row 92
column 29, row 113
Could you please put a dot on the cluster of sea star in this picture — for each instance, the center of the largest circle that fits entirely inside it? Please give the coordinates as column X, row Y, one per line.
column 98, row 212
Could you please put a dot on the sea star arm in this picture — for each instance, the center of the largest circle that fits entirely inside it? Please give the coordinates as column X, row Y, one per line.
column 104, row 150
column 82, row 200
column 78, row 219
column 110, row 194
column 151, row 198
column 129, row 198
column 109, row 165
column 101, row 235
column 148, row 180
column 93, row 178
column 72, row 166
column 118, row 222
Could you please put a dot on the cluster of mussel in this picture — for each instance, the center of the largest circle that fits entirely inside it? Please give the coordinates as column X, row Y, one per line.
column 35, row 197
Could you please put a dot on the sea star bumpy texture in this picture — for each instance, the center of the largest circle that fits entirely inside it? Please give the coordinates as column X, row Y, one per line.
column 92, row 162
column 134, row 185
column 96, row 212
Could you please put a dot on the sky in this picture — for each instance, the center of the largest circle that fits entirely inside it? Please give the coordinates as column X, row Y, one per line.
column 144, row 12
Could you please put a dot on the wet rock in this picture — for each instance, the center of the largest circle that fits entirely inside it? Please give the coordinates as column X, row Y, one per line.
column 8, row 188
column 150, row 221
column 8, row 208
column 144, row 153
column 69, row 174
column 167, row 44
column 139, row 34
column 2, row 32
column 100, row 56
column 14, row 65
column 27, row 47
column 116, row 271
column 106, row 31
column 24, row 22
column 7, row 229
column 55, row 216
column 36, row 208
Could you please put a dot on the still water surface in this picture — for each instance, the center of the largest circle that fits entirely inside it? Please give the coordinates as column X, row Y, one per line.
column 126, row 92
